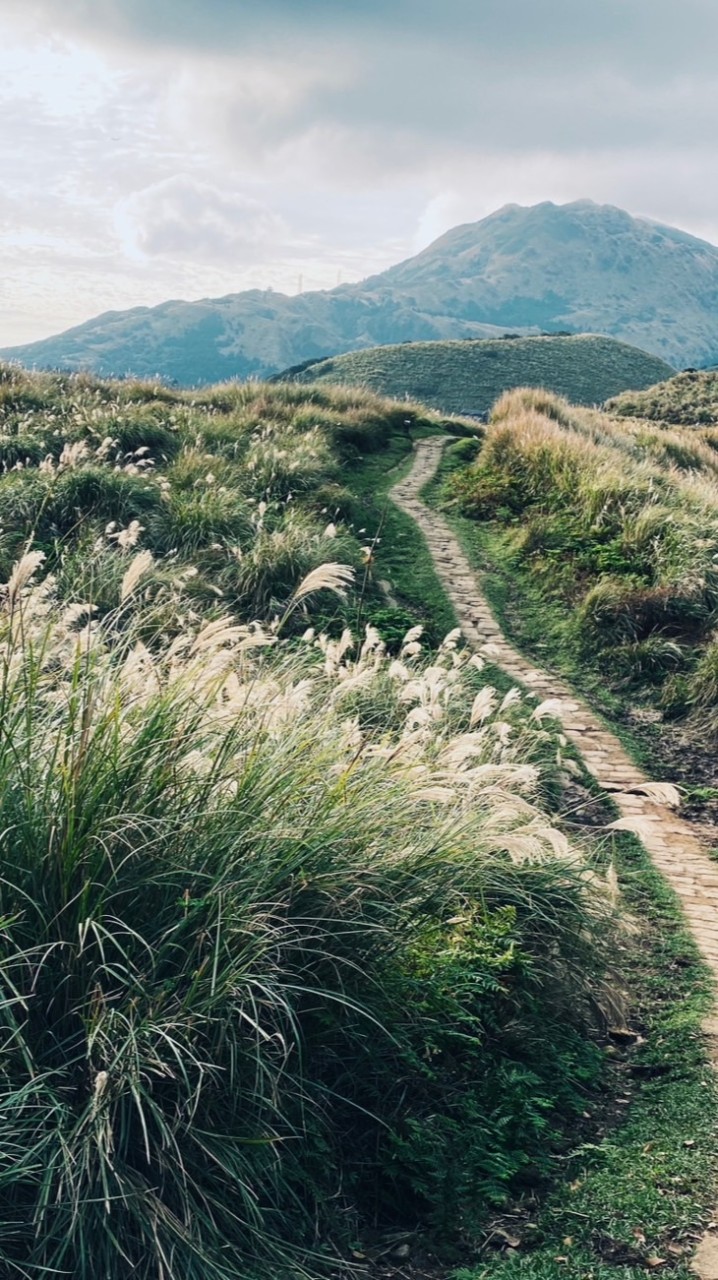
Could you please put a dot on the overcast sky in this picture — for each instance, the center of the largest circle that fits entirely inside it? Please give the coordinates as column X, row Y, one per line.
column 184, row 148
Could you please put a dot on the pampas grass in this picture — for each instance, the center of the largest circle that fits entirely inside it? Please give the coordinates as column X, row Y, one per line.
column 619, row 519
column 235, row 997
column 187, row 472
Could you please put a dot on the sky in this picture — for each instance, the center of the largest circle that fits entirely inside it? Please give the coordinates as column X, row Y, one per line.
column 155, row 149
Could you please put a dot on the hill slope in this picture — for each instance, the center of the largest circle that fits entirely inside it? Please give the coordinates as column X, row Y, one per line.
column 690, row 399
column 582, row 267
column 234, row 851
column 467, row 377
column 611, row 524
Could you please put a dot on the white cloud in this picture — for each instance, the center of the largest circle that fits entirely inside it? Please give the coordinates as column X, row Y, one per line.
column 182, row 217
column 157, row 148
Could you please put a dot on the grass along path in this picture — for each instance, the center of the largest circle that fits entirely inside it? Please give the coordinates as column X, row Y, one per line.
column 401, row 560
column 672, row 843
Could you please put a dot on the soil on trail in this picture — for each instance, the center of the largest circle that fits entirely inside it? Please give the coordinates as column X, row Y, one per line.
column 672, row 843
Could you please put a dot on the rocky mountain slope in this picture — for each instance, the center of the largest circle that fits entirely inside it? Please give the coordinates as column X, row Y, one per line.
column 580, row 267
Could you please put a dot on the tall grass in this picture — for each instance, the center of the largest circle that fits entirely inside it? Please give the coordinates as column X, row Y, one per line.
column 235, row 485
column 691, row 399
column 273, row 965
column 617, row 518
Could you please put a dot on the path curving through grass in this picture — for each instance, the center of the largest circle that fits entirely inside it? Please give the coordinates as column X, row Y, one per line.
column 671, row 842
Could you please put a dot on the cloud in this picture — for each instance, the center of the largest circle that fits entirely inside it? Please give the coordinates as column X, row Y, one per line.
column 617, row 29
column 206, row 147
column 365, row 88
column 182, row 217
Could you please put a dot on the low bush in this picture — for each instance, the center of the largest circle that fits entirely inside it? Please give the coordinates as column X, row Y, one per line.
column 146, row 433
column 702, row 687
column 190, row 520
column 97, row 494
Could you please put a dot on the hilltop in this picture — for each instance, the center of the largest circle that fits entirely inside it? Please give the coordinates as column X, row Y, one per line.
column 467, row 377
column 689, row 399
column 580, row 267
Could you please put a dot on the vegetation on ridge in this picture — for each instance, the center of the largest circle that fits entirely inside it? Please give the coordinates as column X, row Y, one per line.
column 467, row 377
column 610, row 529
column 235, row 492
column 690, row 399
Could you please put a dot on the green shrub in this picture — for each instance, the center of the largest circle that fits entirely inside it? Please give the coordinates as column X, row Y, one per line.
column 335, row 501
column 462, row 453
column 647, row 661
column 190, row 520
column 282, row 552
column 25, row 450
column 619, row 610
column 95, row 493
column 144, row 431
column 702, row 685
column 20, row 393
column 23, row 497
column 392, row 623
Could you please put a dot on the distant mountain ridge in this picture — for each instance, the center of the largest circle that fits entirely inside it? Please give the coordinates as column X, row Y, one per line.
column 580, row 267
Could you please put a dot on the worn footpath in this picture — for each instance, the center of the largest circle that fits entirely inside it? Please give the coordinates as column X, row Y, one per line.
column 671, row 842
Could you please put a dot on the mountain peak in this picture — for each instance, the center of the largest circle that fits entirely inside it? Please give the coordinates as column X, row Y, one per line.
column 578, row 267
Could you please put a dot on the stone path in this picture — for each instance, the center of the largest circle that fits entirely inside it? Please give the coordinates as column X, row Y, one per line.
column 671, row 842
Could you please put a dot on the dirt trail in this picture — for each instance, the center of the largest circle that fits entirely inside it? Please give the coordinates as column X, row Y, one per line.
column 672, row 843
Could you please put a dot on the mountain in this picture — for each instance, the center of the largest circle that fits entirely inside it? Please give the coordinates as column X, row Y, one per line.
column 467, row 377
column 580, row 267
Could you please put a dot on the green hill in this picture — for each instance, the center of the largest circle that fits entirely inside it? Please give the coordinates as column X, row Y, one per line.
column 467, row 377
column 689, row 399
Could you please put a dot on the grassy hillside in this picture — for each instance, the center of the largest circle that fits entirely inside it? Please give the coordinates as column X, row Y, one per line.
column 689, row 399
column 305, row 952
column 605, row 534
column 296, row 949
column 467, row 377
column 232, row 494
